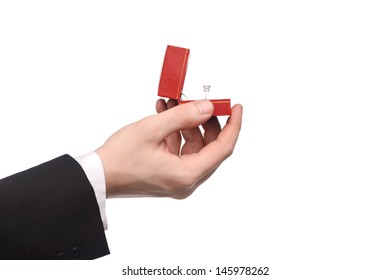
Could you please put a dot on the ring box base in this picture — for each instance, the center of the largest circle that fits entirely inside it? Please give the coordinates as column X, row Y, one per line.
column 221, row 106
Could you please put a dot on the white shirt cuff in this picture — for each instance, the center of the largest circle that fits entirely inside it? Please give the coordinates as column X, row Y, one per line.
column 93, row 168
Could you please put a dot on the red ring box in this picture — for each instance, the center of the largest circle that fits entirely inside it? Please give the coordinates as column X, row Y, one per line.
column 172, row 80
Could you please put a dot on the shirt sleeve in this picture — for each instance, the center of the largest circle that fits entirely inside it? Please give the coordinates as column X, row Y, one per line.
column 93, row 168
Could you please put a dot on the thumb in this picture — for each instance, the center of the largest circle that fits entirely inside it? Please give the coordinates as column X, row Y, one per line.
column 185, row 116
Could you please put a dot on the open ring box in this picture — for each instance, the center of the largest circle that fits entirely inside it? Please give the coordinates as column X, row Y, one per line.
column 172, row 80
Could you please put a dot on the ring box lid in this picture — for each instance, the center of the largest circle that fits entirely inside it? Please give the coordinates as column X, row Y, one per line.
column 173, row 72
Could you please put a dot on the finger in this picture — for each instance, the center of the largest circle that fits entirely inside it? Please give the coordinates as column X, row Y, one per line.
column 173, row 140
column 171, row 103
column 193, row 141
column 213, row 154
column 212, row 128
column 161, row 106
column 182, row 117
column 193, row 137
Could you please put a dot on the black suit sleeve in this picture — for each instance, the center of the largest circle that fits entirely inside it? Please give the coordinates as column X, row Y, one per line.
column 50, row 212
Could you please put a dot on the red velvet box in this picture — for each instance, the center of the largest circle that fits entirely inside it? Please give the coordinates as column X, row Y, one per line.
column 172, row 80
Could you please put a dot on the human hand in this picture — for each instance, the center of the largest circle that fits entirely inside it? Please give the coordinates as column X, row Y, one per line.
column 145, row 158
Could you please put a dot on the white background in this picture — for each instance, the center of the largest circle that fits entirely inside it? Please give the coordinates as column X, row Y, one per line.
column 306, row 190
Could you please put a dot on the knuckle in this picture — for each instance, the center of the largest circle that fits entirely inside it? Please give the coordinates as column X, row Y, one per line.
column 187, row 182
column 182, row 196
column 184, row 183
column 228, row 149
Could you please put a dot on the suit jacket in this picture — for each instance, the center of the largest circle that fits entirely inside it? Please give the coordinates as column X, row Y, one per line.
column 50, row 212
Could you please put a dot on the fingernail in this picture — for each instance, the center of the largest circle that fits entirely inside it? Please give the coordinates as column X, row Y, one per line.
column 205, row 106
